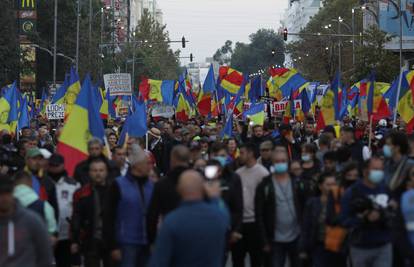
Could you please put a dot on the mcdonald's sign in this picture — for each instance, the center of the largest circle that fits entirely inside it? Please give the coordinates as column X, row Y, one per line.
column 26, row 4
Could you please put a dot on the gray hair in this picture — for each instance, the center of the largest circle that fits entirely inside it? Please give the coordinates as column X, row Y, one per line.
column 136, row 155
column 94, row 141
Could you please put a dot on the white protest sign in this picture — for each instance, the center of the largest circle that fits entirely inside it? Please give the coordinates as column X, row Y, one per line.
column 55, row 111
column 118, row 83
column 279, row 107
column 162, row 111
column 297, row 104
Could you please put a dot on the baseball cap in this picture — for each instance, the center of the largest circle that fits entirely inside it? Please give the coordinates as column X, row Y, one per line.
column 33, row 152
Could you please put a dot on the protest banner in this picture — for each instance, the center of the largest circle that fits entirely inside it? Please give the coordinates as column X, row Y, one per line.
column 118, row 83
column 55, row 111
column 161, row 110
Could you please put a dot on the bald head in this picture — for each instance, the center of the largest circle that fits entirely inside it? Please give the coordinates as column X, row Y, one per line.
column 191, row 186
column 180, row 156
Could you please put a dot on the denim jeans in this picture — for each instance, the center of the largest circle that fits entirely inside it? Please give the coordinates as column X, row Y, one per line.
column 372, row 257
column 283, row 250
column 134, row 256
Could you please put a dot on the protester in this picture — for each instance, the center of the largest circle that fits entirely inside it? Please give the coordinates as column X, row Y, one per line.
column 165, row 197
column 65, row 189
column 87, row 220
column 193, row 234
column 26, row 241
column 364, row 211
column 314, row 230
column 278, row 206
column 349, row 141
column 126, row 209
column 118, row 162
column 251, row 174
column 266, row 154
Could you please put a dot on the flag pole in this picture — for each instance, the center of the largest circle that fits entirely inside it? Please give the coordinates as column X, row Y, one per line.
column 397, row 98
column 370, row 132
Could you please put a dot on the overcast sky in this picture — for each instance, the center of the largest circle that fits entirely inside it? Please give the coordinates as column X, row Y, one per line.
column 207, row 24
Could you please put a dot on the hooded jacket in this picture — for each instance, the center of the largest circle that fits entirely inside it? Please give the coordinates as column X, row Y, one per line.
column 26, row 242
column 27, row 196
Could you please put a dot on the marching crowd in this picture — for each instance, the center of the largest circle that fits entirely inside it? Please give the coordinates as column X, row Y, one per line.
column 281, row 194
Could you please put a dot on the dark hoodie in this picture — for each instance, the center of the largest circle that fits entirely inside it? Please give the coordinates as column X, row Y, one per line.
column 164, row 199
column 29, row 244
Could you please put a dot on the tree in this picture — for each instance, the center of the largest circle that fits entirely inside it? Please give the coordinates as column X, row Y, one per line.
column 153, row 56
column 223, row 55
column 9, row 44
column 323, row 51
column 265, row 49
column 373, row 56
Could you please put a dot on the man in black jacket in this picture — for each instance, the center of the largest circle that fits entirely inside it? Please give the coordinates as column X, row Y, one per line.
column 278, row 208
column 87, row 218
column 165, row 197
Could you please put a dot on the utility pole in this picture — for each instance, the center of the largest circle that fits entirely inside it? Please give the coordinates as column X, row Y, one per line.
column 77, row 34
column 90, row 31
column 353, row 37
column 339, row 45
column 55, row 43
column 101, row 41
column 401, row 32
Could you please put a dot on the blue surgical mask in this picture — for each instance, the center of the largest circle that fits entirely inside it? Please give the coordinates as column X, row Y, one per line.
column 280, row 168
column 222, row 160
column 306, row 157
column 376, row 176
column 386, row 149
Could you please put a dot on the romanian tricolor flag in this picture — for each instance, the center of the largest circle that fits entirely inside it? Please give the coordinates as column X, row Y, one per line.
column 9, row 109
column 59, row 97
column 405, row 105
column 206, row 92
column 326, row 114
column 73, row 90
column 83, row 123
column 230, row 79
column 287, row 80
column 157, row 90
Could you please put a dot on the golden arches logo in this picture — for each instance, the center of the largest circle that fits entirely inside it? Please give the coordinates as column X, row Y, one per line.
column 28, row 4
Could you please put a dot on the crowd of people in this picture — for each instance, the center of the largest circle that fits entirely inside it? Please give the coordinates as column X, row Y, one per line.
column 281, row 194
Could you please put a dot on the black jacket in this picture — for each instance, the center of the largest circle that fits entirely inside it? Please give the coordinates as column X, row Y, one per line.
column 232, row 195
column 292, row 149
column 164, row 199
column 83, row 221
column 310, row 224
column 81, row 174
column 265, row 207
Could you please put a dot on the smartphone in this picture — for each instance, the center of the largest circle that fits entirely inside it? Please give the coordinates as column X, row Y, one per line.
column 210, row 172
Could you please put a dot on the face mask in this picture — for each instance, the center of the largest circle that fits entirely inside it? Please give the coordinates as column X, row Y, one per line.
column 222, row 160
column 386, row 149
column 306, row 157
column 280, row 168
column 376, row 176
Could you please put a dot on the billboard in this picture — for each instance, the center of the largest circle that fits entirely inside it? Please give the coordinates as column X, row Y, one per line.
column 389, row 22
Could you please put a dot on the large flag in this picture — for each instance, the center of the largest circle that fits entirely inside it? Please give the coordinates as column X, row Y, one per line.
column 43, row 102
column 254, row 89
column 206, row 92
column 136, row 123
column 59, row 97
column 72, row 91
column 227, row 131
column 286, row 80
column 9, row 108
column 83, row 123
column 326, row 114
column 230, row 79
column 405, row 105
column 24, row 116
column 256, row 113
column 157, row 90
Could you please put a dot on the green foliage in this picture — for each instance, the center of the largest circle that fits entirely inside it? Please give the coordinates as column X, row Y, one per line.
column 373, row 56
column 257, row 55
column 9, row 48
column 223, row 55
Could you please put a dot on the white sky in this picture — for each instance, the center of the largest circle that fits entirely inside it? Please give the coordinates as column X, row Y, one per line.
column 207, row 24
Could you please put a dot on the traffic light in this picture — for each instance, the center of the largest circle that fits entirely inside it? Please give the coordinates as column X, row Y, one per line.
column 191, row 57
column 183, row 42
column 285, row 34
